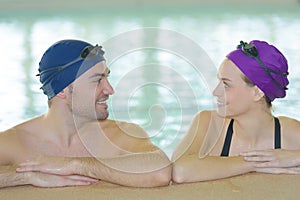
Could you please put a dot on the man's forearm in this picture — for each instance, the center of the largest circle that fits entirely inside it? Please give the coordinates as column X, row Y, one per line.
column 9, row 177
column 137, row 170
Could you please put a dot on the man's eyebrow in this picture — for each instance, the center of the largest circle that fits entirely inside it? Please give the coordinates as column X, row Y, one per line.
column 100, row 74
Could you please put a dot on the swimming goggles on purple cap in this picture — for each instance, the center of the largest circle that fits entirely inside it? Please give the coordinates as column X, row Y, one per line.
column 251, row 51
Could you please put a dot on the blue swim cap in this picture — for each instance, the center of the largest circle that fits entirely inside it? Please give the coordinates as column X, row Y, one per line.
column 64, row 62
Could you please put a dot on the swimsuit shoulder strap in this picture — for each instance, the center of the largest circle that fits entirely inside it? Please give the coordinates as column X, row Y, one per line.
column 277, row 136
column 226, row 146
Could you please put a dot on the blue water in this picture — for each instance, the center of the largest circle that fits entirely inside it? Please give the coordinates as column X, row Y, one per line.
column 159, row 83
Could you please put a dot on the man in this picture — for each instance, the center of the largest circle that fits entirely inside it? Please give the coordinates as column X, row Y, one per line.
column 74, row 143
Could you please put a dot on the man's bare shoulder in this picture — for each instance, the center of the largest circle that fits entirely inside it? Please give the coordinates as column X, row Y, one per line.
column 21, row 129
column 123, row 127
column 10, row 146
column 129, row 135
column 11, row 134
column 13, row 140
column 8, row 136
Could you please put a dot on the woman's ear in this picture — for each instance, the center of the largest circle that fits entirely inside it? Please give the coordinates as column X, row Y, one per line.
column 258, row 94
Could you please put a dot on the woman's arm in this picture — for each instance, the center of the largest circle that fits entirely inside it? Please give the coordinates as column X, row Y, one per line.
column 188, row 166
column 192, row 169
column 285, row 160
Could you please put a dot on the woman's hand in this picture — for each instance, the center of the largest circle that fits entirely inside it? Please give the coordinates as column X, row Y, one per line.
column 273, row 158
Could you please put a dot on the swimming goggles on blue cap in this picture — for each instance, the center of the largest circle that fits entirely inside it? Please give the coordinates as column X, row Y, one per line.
column 88, row 53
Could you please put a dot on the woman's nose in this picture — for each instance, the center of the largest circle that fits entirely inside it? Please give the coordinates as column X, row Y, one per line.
column 218, row 90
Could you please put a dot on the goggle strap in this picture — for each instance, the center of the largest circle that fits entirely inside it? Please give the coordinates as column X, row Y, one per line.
column 268, row 70
column 89, row 50
column 47, row 70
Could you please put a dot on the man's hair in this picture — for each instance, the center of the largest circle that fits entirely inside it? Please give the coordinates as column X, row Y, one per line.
column 49, row 103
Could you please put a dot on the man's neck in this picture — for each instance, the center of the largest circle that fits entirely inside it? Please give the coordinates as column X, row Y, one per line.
column 60, row 122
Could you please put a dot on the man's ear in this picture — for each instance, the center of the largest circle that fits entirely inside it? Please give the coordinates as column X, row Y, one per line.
column 65, row 92
column 258, row 94
column 62, row 94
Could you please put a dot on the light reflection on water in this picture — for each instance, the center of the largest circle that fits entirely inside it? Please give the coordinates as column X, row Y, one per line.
column 165, row 108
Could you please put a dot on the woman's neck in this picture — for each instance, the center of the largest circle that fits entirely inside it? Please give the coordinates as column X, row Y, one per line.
column 254, row 125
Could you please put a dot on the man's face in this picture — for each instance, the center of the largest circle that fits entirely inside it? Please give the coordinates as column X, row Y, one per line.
column 88, row 94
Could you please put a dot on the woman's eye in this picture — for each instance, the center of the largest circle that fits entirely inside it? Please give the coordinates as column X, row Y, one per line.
column 225, row 84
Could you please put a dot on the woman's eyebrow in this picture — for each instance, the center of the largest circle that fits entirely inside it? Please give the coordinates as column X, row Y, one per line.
column 223, row 78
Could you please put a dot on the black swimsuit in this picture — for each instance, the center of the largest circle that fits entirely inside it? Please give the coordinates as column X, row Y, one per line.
column 226, row 147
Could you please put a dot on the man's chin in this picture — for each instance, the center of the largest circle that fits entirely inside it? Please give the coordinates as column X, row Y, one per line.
column 102, row 116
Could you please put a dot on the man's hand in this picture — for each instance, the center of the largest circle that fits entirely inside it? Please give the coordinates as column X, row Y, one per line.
column 50, row 165
column 47, row 171
column 50, row 180
column 151, row 174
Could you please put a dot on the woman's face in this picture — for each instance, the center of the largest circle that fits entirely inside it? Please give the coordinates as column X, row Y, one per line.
column 234, row 96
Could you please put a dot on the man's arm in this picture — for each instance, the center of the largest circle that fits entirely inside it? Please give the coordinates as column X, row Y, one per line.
column 141, row 164
column 9, row 148
column 9, row 177
column 136, row 170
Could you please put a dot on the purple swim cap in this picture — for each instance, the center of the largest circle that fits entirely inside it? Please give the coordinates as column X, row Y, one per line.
column 64, row 62
column 264, row 65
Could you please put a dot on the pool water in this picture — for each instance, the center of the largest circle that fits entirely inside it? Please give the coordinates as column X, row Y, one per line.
column 163, row 61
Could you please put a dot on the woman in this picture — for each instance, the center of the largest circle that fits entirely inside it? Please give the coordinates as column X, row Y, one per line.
column 238, row 137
